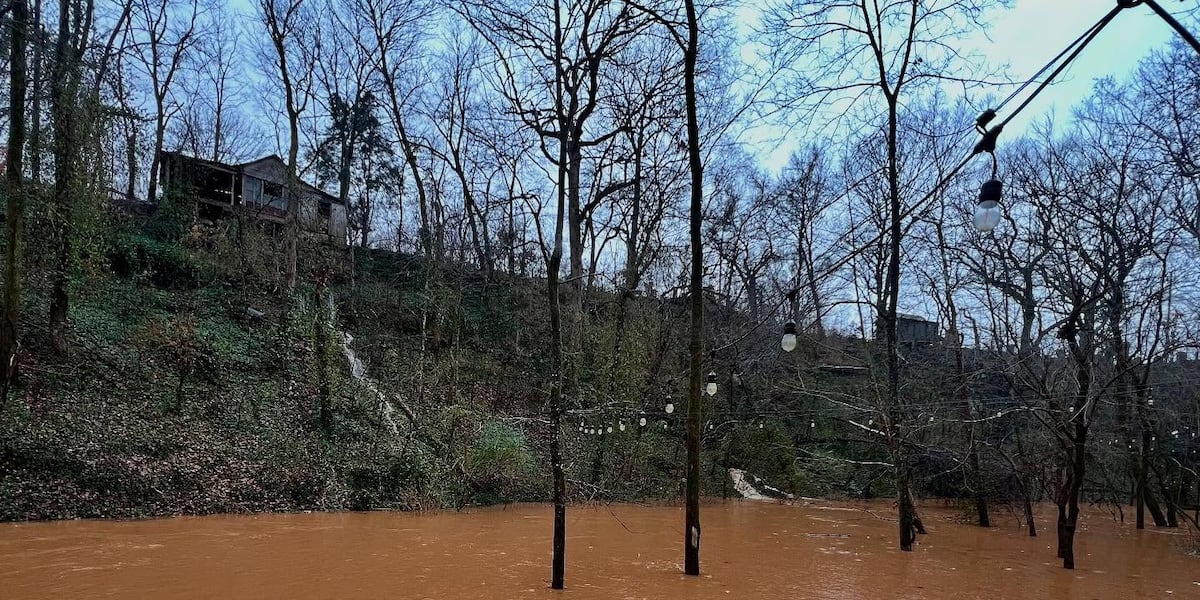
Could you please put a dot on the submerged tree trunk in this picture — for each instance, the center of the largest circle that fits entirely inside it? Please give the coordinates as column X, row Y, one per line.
column 558, row 563
column 553, row 266
column 1075, row 474
column 691, row 530
column 908, row 511
column 1029, row 512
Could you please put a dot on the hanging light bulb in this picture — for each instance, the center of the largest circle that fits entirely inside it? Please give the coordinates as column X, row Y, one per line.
column 788, row 343
column 610, row 429
column 622, row 425
column 670, row 408
column 987, row 211
column 760, row 425
column 664, row 424
column 710, row 426
column 711, row 388
column 1150, row 401
column 870, row 421
column 642, row 422
column 1175, row 433
column 812, row 424
column 931, row 419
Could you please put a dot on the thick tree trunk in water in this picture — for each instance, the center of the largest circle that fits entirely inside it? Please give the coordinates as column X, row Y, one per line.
column 1062, row 524
column 1152, row 505
column 553, row 265
column 908, row 512
column 981, row 507
column 889, row 302
column 1075, row 473
column 1026, row 493
column 558, row 561
column 691, row 530
column 1029, row 513
column 15, row 210
column 1139, row 490
column 918, row 524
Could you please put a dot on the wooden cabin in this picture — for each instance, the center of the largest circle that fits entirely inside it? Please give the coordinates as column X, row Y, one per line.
column 257, row 189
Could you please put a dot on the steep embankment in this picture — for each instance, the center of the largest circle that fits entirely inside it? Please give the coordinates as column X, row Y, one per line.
column 193, row 387
column 188, row 392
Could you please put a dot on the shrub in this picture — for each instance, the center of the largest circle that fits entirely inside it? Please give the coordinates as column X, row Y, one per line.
column 499, row 461
column 166, row 265
column 172, row 219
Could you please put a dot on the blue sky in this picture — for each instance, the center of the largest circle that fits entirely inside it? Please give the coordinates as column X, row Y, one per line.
column 1031, row 32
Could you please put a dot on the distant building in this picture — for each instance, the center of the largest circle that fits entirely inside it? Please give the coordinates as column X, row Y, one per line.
column 913, row 329
column 258, row 188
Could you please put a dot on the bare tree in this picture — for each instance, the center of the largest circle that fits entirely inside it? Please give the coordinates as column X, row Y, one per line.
column 451, row 116
column 74, row 31
column 285, row 21
column 858, row 52
column 395, row 33
column 163, row 37
column 559, row 100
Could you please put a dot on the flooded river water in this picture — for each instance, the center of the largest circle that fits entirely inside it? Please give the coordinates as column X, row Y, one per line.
column 750, row 550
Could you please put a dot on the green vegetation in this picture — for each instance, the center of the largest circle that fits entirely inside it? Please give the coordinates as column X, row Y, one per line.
column 176, row 398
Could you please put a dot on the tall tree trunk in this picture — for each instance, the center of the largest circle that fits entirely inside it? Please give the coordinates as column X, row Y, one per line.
column 160, row 127
column 130, row 159
column 218, row 122
column 691, row 530
column 1075, row 474
column 15, row 213
column 890, row 303
column 1140, row 480
column 64, row 104
column 293, row 195
column 1076, row 446
column 575, row 229
column 558, row 562
column 35, row 133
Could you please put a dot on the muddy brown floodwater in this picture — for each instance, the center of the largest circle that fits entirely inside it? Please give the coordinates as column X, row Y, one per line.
column 750, row 550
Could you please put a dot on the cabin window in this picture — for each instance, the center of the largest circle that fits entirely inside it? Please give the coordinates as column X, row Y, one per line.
column 272, row 189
